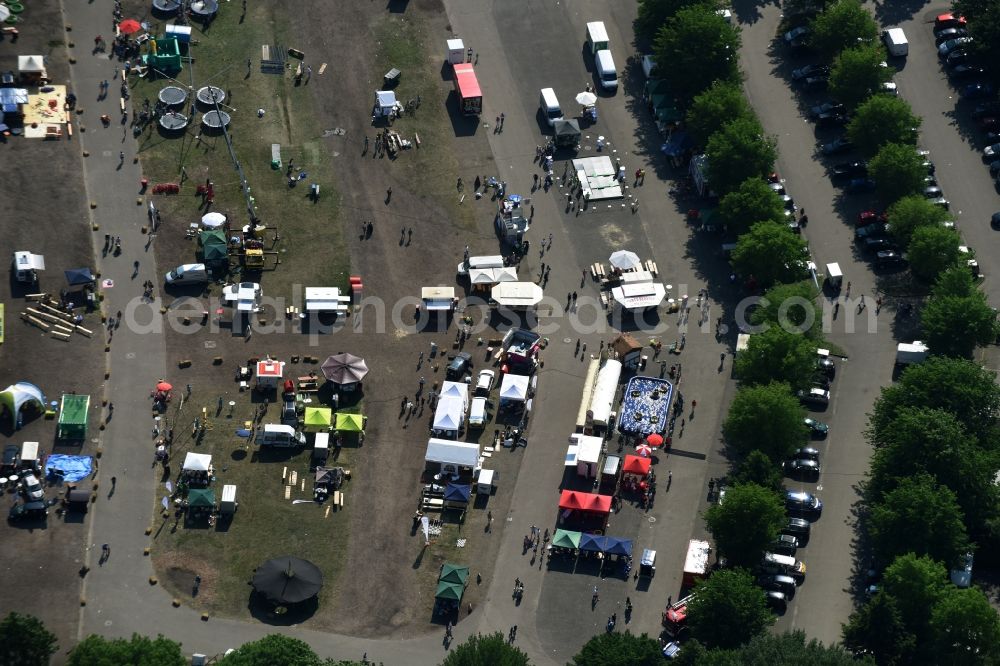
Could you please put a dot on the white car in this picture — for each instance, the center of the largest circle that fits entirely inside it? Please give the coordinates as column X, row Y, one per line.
column 484, row 382
column 478, row 413
column 32, row 488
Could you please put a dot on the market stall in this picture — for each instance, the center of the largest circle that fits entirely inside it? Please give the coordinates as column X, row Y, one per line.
column 454, row 460
column 449, row 418
column 73, row 413
column 317, row 419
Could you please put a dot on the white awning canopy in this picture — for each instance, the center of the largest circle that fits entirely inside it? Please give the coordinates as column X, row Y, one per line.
column 514, row 387
column 386, row 99
column 455, row 390
column 639, row 295
column 589, row 448
column 326, row 299
column 438, row 298
column 31, row 63
column 197, row 462
column 449, row 415
column 447, row 452
column 517, row 294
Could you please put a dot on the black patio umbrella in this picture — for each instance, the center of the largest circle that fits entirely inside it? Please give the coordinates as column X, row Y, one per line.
column 288, row 580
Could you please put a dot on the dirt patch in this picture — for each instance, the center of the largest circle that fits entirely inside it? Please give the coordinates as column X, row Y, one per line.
column 178, row 571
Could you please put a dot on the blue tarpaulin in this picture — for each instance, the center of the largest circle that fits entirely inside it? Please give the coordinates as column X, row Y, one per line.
column 457, row 493
column 69, row 468
column 11, row 97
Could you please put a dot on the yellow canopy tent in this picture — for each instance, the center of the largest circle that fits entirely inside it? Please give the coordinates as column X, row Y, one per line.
column 318, row 418
column 351, row 423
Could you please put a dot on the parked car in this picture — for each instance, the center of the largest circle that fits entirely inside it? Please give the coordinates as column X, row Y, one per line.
column 796, row 36
column 484, row 382
column 978, row 90
column 949, row 20
column 817, row 428
column 808, row 71
column 798, row 528
column 815, row 396
column 860, row 185
column 826, row 365
column 831, row 119
column 871, row 230
column 846, row 170
column 966, row 70
column 27, row 511
column 889, row 88
column 867, row 217
column 947, row 47
column 32, row 489
column 986, row 109
column 817, row 82
column 807, row 452
column 933, row 192
column 802, row 469
column 779, row 582
column 944, row 34
column 777, row 188
column 827, row 107
column 889, row 259
column 941, row 202
column 995, row 220
column 878, row 244
column 992, row 151
column 776, row 601
column 839, row 145
column 458, row 366
column 961, row 576
column 785, row 544
column 956, row 58
column 803, row 504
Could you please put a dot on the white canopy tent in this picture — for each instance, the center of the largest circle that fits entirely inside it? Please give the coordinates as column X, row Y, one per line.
column 638, row 291
column 449, row 416
column 31, row 63
column 517, row 294
column 385, row 103
column 604, row 392
column 326, row 299
column 514, row 388
column 455, row 390
column 197, row 462
column 213, row 220
column 457, row 454
column 588, row 453
column 245, row 295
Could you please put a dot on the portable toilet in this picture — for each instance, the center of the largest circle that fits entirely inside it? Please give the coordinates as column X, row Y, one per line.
column 228, row 504
column 834, row 276
column 321, row 448
column 456, row 51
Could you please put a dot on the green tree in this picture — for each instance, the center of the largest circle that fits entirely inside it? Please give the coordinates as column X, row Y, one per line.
column 746, row 523
column 916, row 583
column 273, row 649
column 790, row 648
column 757, row 468
column 139, row 651
column 984, row 26
column 844, row 23
column 723, row 102
column 728, row 609
column 739, row 150
column 965, row 629
column 691, row 70
column 966, row 389
column 955, row 281
column 956, row 325
column 766, row 418
column 753, row 201
column 489, row 649
column 898, row 171
column 770, row 253
column 911, row 213
column 856, row 74
column 775, row 355
column 654, row 13
column 881, row 120
column 24, row 641
column 918, row 500
column 933, row 250
column 791, row 306
column 613, row 649
column 878, row 628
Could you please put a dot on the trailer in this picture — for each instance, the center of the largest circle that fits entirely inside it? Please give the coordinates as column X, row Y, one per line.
column 696, row 562
column 911, row 352
column 470, row 97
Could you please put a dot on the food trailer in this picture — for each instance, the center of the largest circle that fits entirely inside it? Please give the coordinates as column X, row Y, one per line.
column 470, row 97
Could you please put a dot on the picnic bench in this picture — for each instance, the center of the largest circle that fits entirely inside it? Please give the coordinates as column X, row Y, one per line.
column 433, row 504
column 597, row 271
column 650, row 266
column 605, row 301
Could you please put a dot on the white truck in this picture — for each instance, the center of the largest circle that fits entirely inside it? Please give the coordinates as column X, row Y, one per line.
column 911, row 352
column 895, row 41
column 26, row 266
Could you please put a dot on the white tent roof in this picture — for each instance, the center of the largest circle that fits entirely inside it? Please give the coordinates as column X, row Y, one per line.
column 514, row 387
column 455, row 390
column 447, row 452
column 197, row 462
column 449, row 414
column 28, row 261
column 506, row 274
column 589, row 450
column 385, row 98
column 482, row 275
column 245, row 294
column 639, row 295
column 325, row 299
column 31, row 63
column 517, row 294
column 213, row 220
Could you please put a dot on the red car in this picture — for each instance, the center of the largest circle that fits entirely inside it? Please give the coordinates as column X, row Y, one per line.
column 949, row 21
column 866, row 217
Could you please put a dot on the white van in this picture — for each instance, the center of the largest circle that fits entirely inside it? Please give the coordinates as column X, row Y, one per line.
column 273, row 434
column 597, row 36
column 784, row 564
column 550, row 106
column 606, row 71
column 834, row 276
column 895, row 40
column 188, row 274
column 477, row 413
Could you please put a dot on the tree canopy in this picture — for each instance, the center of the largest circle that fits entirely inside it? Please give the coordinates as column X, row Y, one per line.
column 856, row 74
column 878, row 628
column 918, row 501
column 881, row 120
column 770, row 253
column 965, row 629
column 766, row 418
column 792, row 307
column 722, row 102
column 768, row 649
column 273, row 649
column 757, row 468
column 753, row 201
column 138, row 651
column 898, row 171
column 654, row 13
column 916, row 582
column 955, row 325
column 779, row 356
column 489, row 649
column 728, row 609
column 24, row 641
column 738, row 151
column 984, row 26
column 932, row 250
column 692, row 70
column 612, row 649
column 911, row 213
column 746, row 523
column 842, row 24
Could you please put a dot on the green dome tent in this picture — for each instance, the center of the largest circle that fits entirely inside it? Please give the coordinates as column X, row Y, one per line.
column 22, row 395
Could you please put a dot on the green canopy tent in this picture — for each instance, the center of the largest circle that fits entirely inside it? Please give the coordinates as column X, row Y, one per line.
column 201, row 498
column 453, row 573
column 657, row 87
column 73, row 414
column 566, row 539
column 214, row 248
column 22, row 400
column 317, row 419
column 449, row 591
column 350, row 423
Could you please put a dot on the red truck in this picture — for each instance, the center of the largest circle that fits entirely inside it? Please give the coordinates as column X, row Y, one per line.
column 470, row 97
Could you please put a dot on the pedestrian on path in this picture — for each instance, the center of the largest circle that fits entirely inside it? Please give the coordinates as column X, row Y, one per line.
column 670, row 478
column 388, row 194
column 121, row 157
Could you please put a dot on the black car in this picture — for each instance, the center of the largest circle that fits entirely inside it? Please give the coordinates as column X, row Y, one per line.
column 984, row 109
column 779, row 582
column 827, row 107
column 785, row 544
column 798, row 528
column 965, row 70
column 944, row 35
column 11, row 453
column 847, row 170
column 803, row 504
column 995, row 220
column 818, row 82
column 831, row 119
column 803, row 468
column 27, row 511
column 840, row 145
column 809, row 70
column 807, row 453
column 827, row 366
column 458, row 366
column 878, row 244
column 889, row 259
column 956, row 58
column 948, row 47
column 776, row 601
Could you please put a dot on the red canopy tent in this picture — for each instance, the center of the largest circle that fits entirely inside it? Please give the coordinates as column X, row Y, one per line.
column 572, row 499
column 636, row 465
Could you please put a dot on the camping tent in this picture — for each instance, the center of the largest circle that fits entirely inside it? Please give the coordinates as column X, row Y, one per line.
column 449, row 416
column 317, row 418
column 18, row 396
column 350, row 423
column 197, row 462
column 566, row 539
column 636, row 465
column 201, row 498
column 73, row 416
column 514, row 388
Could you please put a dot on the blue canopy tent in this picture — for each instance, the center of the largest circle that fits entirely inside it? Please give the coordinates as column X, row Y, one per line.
column 78, row 276
column 12, row 98
column 456, row 494
column 594, row 543
column 618, row 546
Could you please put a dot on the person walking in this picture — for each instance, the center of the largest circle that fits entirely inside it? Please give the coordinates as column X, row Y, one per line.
column 670, row 478
column 388, row 194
